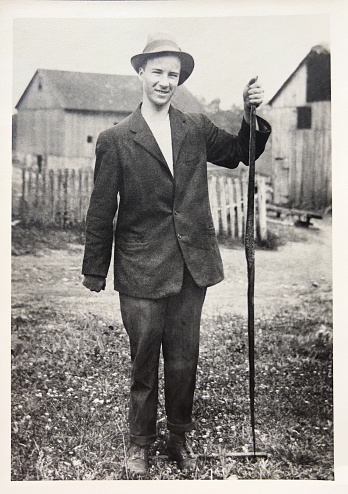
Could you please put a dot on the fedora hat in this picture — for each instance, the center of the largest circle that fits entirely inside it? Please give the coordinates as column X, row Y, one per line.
column 162, row 44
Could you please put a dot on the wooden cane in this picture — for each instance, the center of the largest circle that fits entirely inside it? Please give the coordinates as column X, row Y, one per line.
column 250, row 258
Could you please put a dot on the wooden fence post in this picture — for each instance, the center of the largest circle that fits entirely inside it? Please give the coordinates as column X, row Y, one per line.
column 23, row 206
column 44, row 197
column 29, row 195
column 65, row 198
column 86, row 192
column 59, row 204
column 214, row 204
column 261, row 208
column 74, row 212
column 239, row 206
column 223, row 208
column 51, row 197
column 79, row 195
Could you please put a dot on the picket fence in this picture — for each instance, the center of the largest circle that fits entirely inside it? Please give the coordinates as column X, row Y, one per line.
column 60, row 198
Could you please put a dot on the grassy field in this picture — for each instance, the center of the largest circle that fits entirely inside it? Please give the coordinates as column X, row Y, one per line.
column 70, row 380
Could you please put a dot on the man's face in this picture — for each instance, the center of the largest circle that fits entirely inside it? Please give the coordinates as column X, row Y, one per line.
column 160, row 77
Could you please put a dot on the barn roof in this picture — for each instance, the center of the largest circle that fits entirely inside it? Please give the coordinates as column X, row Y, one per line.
column 319, row 60
column 86, row 91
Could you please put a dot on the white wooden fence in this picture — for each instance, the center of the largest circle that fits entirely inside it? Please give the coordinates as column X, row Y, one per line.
column 228, row 202
column 60, row 198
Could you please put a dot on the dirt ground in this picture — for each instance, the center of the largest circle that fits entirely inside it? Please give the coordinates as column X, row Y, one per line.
column 51, row 278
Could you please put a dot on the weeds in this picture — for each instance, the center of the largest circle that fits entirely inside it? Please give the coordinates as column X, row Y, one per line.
column 70, row 383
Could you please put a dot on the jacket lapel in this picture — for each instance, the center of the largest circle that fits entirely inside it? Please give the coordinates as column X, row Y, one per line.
column 179, row 130
column 144, row 136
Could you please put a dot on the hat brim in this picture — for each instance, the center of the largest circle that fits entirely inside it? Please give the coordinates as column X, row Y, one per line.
column 187, row 62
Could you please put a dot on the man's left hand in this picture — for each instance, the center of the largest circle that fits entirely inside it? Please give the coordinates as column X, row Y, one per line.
column 253, row 93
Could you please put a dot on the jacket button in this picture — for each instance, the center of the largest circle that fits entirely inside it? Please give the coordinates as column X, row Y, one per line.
column 179, row 236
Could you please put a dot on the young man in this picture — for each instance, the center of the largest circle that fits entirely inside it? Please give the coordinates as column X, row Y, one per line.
column 166, row 252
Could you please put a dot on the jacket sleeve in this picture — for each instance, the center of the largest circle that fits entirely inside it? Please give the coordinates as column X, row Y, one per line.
column 227, row 150
column 102, row 209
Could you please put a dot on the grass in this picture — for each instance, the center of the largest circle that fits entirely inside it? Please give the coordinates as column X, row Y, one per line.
column 70, row 378
column 28, row 239
column 32, row 238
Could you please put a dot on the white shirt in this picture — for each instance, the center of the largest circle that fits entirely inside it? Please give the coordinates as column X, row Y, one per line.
column 163, row 135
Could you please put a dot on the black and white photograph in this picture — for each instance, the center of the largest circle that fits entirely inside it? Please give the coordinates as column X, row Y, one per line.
column 171, row 219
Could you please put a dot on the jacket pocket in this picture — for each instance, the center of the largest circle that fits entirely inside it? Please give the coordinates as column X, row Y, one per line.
column 131, row 245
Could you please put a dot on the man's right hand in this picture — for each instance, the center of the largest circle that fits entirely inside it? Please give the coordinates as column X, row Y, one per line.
column 94, row 283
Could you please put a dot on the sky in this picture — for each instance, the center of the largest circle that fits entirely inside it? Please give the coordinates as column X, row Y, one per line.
column 228, row 51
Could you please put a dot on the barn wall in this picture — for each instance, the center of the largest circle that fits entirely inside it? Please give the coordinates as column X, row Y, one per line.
column 283, row 122
column 302, row 158
column 79, row 125
column 321, row 115
column 61, row 133
column 35, row 98
column 312, row 160
column 40, row 132
column 64, row 162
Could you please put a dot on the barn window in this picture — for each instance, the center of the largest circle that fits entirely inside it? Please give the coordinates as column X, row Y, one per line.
column 304, row 117
column 89, row 139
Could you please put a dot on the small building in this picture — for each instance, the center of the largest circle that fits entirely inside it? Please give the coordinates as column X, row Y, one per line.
column 301, row 136
column 61, row 114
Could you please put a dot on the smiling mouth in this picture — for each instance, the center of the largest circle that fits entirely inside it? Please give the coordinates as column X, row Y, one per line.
column 161, row 92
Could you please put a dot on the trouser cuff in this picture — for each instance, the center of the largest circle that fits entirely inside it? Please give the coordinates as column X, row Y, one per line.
column 142, row 440
column 180, row 428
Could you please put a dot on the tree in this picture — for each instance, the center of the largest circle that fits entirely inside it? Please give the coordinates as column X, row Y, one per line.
column 229, row 120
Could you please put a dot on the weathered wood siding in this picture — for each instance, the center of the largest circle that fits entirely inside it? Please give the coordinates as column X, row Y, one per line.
column 311, row 185
column 283, row 123
column 64, row 162
column 58, row 132
column 79, row 125
column 294, row 94
column 39, row 96
column 40, row 132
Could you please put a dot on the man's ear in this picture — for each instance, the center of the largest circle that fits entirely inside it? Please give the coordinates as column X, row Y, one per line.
column 140, row 73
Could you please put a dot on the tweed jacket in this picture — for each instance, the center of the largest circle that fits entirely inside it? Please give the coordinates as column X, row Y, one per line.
column 162, row 221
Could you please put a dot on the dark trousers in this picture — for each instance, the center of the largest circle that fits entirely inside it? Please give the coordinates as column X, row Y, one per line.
column 174, row 323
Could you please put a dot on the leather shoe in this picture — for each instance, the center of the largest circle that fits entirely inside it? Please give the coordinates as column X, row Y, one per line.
column 138, row 459
column 180, row 450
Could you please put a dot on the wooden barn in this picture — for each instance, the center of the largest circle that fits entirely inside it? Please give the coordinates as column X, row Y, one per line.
column 301, row 136
column 61, row 113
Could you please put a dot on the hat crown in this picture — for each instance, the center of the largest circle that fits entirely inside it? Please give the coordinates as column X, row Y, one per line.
column 160, row 42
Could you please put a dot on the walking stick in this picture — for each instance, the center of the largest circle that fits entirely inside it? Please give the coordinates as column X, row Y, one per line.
column 250, row 258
